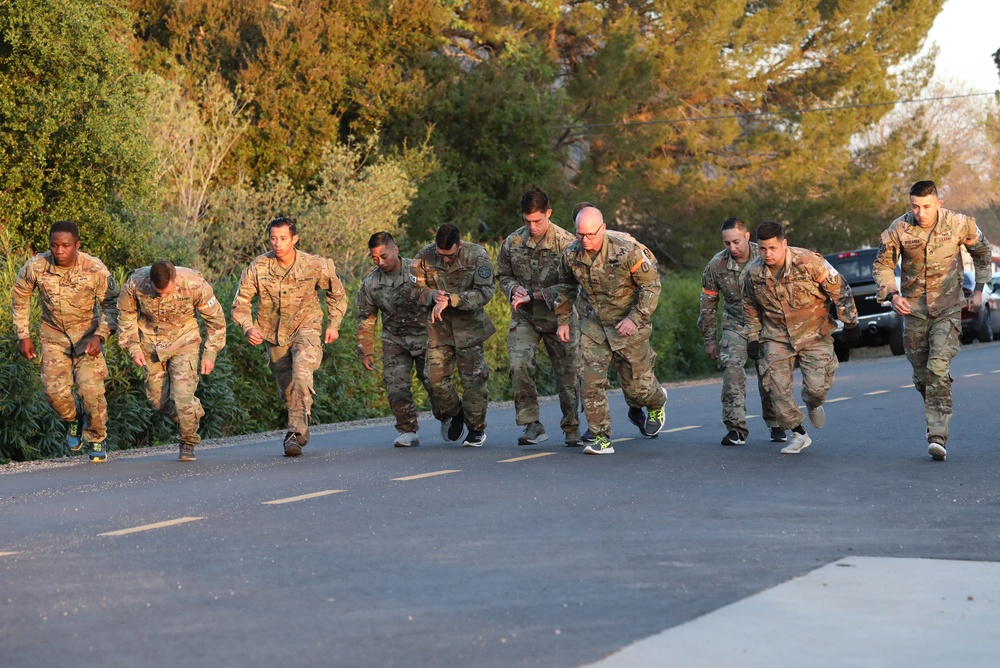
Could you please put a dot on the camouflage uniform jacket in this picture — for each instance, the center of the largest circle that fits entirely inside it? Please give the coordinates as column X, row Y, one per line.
column 404, row 318
column 931, row 271
column 470, row 282
column 793, row 307
column 619, row 281
column 79, row 301
column 167, row 324
column 287, row 299
column 533, row 265
column 723, row 276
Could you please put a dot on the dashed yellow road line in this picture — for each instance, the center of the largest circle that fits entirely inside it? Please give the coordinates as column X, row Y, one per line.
column 833, row 401
column 7, row 554
column 428, row 475
column 971, row 375
column 872, row 394
column 149, row 527
column 303, row 497
column 525, row 457
column 677, row 429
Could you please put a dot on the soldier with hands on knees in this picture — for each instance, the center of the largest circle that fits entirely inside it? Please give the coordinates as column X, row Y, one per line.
column 928, row 241
column 528, row 273
column 723, row 276
column 159, row 330
column 289, row 319
column 456, row 280
column 618, row 287
column 79, row 313
column 389, row 289
column 786, row 302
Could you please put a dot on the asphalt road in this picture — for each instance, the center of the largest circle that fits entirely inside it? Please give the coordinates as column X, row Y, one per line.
column 497, row 560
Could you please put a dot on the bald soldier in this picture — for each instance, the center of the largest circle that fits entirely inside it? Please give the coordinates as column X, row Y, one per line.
column 786, row 297
column 79, row 313
column 528, row 273
column 723, row 277
column 929, row 239
column 618, row 287
column 159, row 330
column 289, row 319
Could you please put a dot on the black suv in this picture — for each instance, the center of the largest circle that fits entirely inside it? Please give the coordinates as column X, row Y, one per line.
column 878, row 322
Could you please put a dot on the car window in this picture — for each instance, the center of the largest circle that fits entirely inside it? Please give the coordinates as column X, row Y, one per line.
column 856, row 266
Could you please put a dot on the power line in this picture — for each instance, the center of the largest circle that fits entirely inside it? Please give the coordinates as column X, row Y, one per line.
column 782, row 112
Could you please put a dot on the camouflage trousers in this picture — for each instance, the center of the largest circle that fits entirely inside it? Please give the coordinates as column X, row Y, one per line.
column 293, row 366
column 64, row 365
column 522, row 345
column 777, row 366
column 634, row 365
column 398, row 364
column 474, row 373
column 930, row 344
column 733, row 360
column 170, row 388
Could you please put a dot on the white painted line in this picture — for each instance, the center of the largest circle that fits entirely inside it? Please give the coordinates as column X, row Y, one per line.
column 150, row 527
column 7, row 554
column 622, row 440
column 833, row 401
column 995, row 371
column 971, row 375
column 292, row 499
column 872, row 394
column 676, row 429
column 750, row 417
column 428, row 475
column 525, row 457
column 906, row 387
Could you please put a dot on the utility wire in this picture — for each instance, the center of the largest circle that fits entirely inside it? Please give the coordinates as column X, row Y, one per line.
column 783, row 112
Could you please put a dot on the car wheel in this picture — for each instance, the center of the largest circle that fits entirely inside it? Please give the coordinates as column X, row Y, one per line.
column 985, row 333
column 842, row 352
column 896, row 340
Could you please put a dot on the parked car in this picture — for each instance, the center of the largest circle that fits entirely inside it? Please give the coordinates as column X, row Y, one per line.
column 878, row 322
column 982, row 326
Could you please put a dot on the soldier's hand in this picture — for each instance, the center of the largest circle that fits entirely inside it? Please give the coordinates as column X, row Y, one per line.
column 626, row 327
column 368, row 362
column 255, row 336
column 438, row 310
column 562, row 333
column 207, row 366
column 517, row 292
column 901, row 305
column 94, row 346
column 139, row 360
column 753, row 350
column 520, row 300
column 852, row 333
column 976, row 301
column 712, row 351
column 27, row 348
column 331, row 335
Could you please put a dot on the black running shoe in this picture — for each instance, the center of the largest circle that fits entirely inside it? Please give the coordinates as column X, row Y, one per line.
column 733, row 438
column 291, row 445
column 778, row 435
column 475, row 439
column 457, row 427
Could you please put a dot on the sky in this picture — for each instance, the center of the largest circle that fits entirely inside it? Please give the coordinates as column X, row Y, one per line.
column 967, row 36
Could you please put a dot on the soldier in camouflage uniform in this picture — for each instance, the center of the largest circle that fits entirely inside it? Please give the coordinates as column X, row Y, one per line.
column 528, row 273
column 929, row 241
column 786, row 297
column 724, row 276
column 456, row 279
column 618, row 288
column 389, row 289
column 78, row 297
column 290, row 321
column 158, row 329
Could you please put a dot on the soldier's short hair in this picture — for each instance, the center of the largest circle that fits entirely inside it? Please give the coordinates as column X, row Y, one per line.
column 380, row 239
column 578, row 208
column 534, row 201
column 447, row 236
column 734, row 224
column 770, row 230
column 923, row 189
column 283, row 221
column 161, row 273
column 65, row 226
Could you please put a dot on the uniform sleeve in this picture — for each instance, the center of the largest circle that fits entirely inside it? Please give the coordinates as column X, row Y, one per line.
column 505, row 274
column 564, row 292
column 833, row 285
column 884, row 267
column 707, row 313
column 24, row 285
column 979, row 248
column 128, row 319
column 336, row 296
column 483, row 286
column 647, row 279
column 367, row 320
column 107, row 294
column 751, row 309
column 215, row 321
column 245, row 293
column 418, row 269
